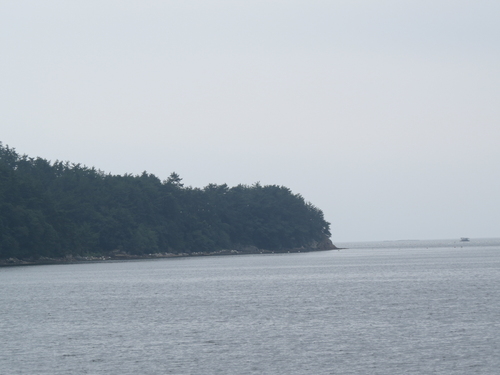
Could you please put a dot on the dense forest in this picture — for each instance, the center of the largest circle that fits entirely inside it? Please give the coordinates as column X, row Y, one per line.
column 62, row 209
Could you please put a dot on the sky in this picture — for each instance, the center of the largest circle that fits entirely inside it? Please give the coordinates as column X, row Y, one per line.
column 385, row 114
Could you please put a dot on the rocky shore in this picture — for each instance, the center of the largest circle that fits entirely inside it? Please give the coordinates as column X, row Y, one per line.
column 121, row 256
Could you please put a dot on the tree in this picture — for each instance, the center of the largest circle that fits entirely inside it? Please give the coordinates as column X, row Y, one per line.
column 63, row 208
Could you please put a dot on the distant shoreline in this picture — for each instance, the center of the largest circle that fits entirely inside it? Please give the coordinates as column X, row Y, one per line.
column 118, row 256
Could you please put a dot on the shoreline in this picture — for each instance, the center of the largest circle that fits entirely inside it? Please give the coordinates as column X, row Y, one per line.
column 119, row 256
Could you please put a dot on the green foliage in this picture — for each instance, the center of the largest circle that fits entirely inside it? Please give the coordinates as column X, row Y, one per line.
column 59, row 209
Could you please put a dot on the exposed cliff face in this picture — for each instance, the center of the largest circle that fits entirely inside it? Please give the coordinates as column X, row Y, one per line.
column 325, row 244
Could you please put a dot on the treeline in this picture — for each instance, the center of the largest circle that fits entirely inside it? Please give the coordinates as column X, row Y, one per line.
column 60, row 209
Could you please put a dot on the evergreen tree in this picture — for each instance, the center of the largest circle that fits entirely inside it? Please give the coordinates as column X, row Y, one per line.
column 65, row 209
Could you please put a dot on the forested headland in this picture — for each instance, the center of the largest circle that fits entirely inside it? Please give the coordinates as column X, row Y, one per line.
column 66, row 210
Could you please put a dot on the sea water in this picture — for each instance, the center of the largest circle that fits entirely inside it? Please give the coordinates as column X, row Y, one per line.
column 403, row 307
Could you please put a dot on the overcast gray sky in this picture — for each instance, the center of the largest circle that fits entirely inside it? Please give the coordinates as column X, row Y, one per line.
column 384, row 114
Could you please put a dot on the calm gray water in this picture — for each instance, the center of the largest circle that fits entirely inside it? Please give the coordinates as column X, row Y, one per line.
column 429, row 307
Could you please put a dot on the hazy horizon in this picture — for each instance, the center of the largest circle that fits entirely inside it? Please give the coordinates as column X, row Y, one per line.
column 383, row 114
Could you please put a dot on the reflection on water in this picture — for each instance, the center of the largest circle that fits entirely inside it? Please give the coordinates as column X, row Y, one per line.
column 377, row 308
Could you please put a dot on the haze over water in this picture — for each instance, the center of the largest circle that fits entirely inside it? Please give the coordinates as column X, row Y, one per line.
column 384, row 114
column 422, row 307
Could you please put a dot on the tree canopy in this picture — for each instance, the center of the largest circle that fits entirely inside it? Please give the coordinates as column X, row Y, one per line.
column 58, row 209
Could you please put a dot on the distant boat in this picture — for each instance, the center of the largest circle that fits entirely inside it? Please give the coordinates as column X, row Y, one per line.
column 464, row 239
